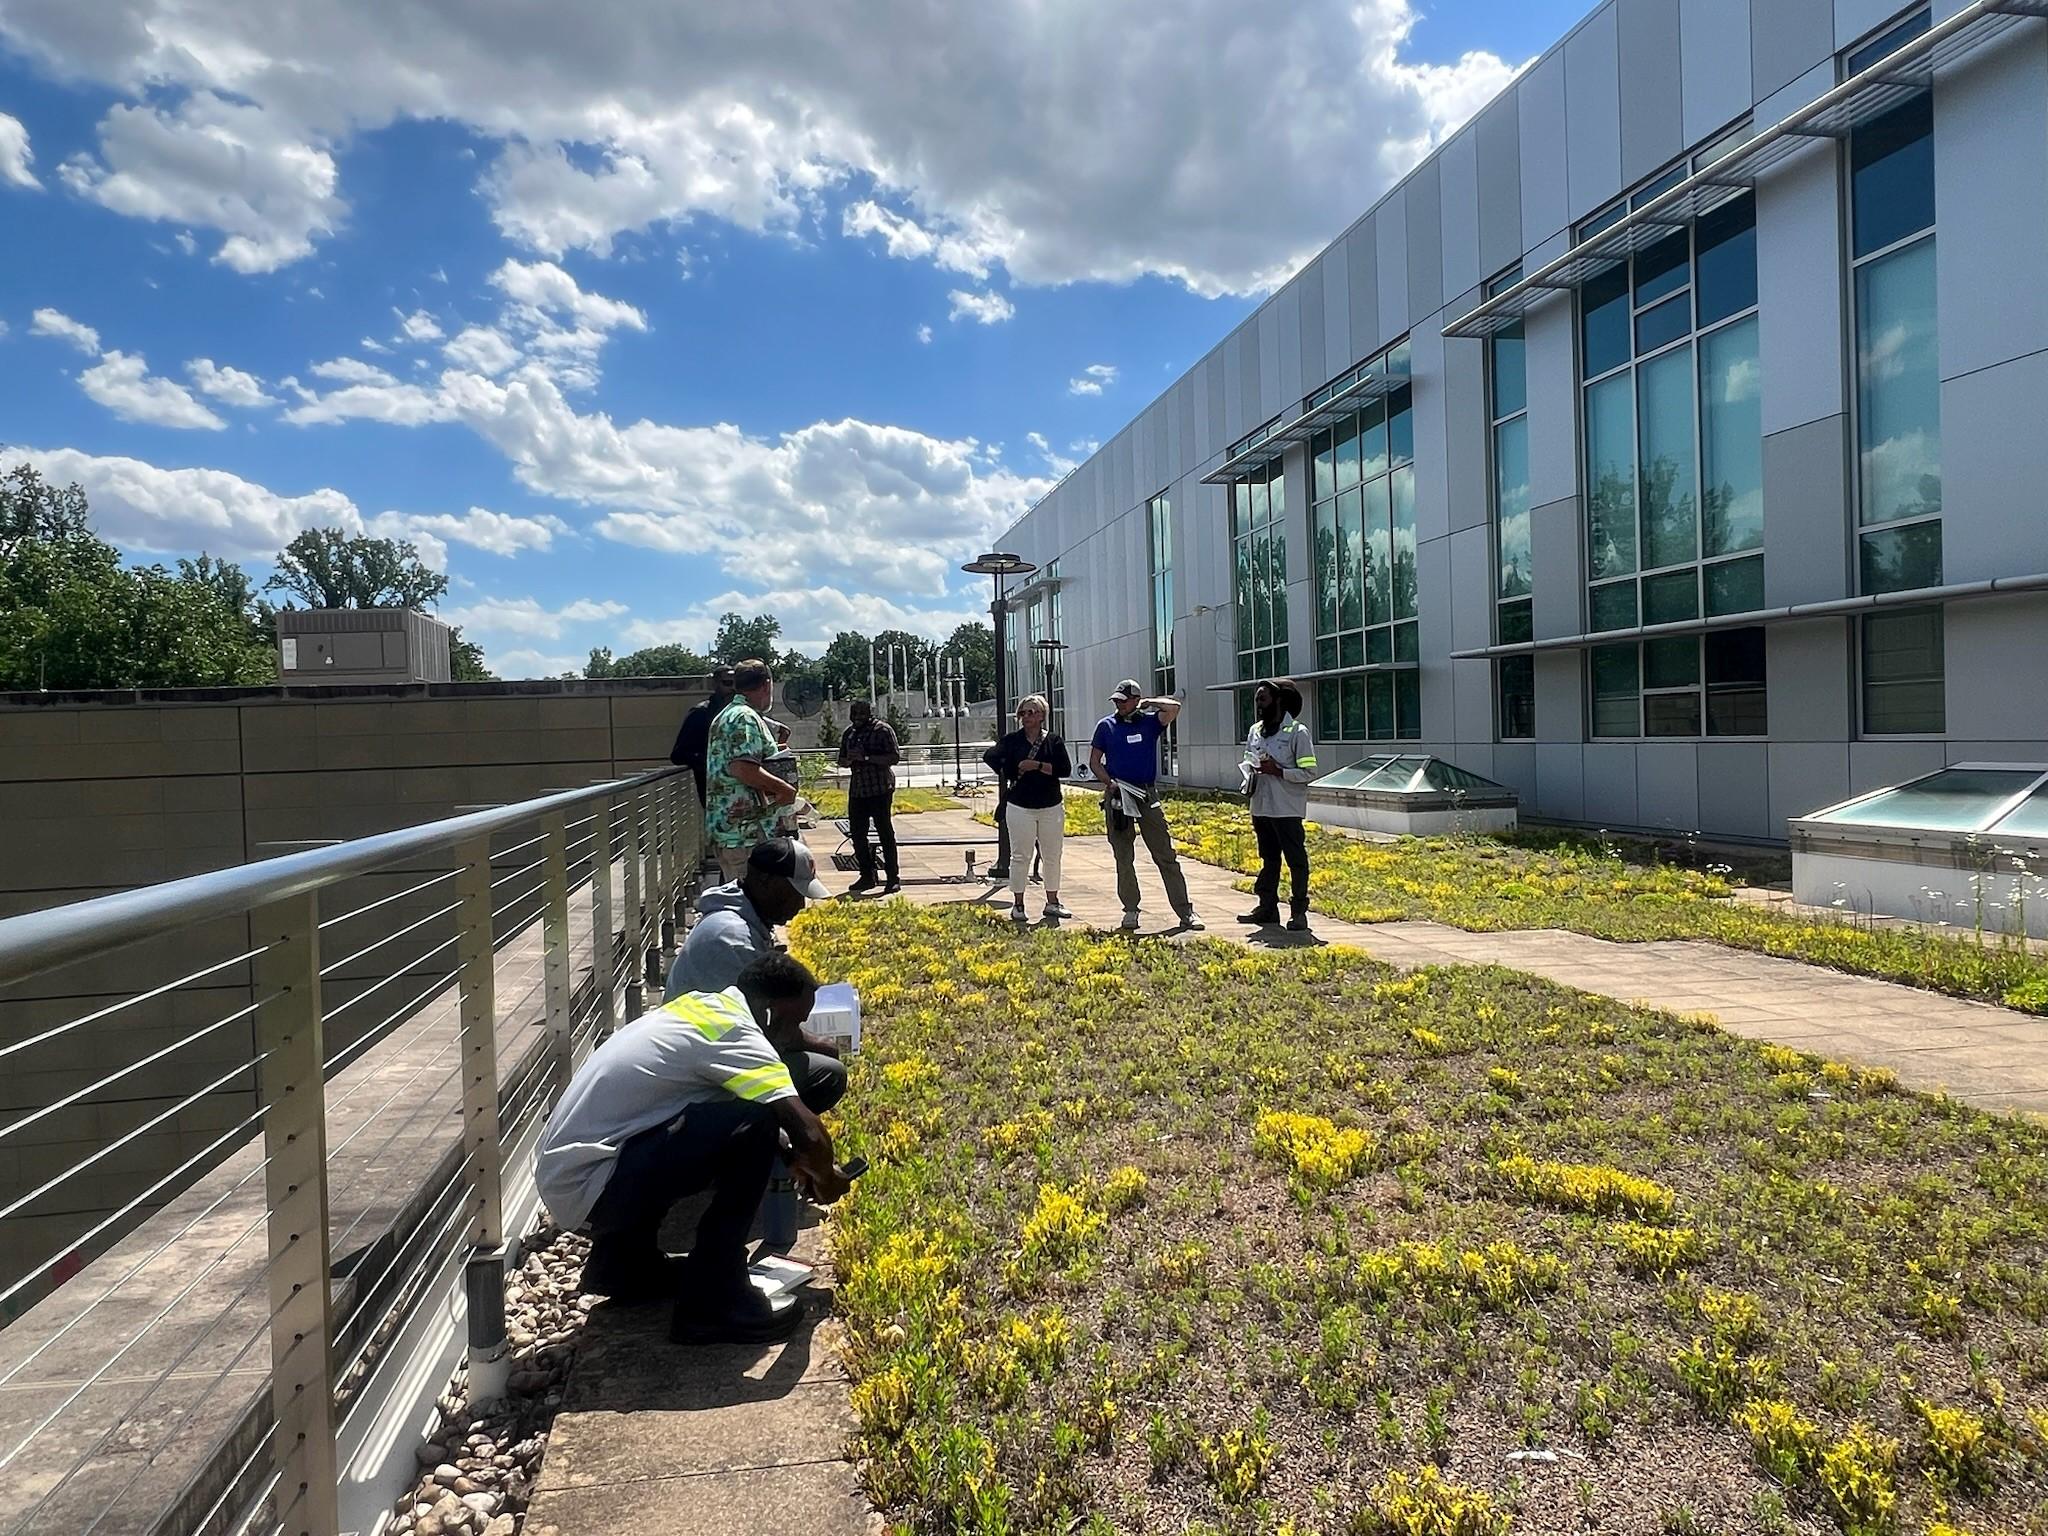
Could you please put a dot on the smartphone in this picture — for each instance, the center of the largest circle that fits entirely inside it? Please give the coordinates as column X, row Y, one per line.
column 853, row 1168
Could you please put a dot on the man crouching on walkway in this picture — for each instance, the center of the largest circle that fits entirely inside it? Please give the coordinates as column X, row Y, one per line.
column 694, row 1095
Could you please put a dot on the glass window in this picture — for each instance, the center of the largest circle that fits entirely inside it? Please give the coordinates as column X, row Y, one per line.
column 1669, row 495
column 1510, row 373
column 1260, row 566
column 1902, row 559
column 1726, row 279
column 1898, row 386
column 1611, row 473
column 1669, row 598
column 1672, row 663
column 1663, row 325
column 1735, row 586
column 1604, row 321
column 1614, row 606
column 1672, row 714
column 1517, row 675
column 1511, row 505
column 1734, row 664
column 1902, row 673
column 1953, row 800
column 1891, row 176
column 1732, row 439
column 1362, row 522
column 1517, row 622
column 1662, row 269
column 1407, row 705
column 1617, row 691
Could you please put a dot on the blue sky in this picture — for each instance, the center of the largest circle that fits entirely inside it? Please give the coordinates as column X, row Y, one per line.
column 628, row 317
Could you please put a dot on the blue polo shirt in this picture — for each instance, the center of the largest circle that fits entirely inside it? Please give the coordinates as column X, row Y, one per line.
column 1130, row 748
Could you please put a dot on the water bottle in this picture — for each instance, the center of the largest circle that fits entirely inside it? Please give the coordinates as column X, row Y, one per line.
column 778, row 1210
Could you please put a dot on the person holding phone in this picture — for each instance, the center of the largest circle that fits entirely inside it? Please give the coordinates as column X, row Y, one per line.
column 1124, row 757
column 1280, row 759
column 1033, row 761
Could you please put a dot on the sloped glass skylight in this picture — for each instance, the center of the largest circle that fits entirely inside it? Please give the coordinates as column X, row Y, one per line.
column 1408, row 773
column 1970, row 797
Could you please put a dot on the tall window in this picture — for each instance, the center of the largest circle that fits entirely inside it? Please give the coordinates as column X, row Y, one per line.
column 1508, row 406
column 1362, row 474
column 1674, row 473
column 1898, row 400
column 1258, row 537
column 1159, row 561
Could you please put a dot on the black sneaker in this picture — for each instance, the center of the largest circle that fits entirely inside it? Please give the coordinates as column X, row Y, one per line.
column 1260, row 917
column 758, row 1320
column 861, row 886
column 891, row 887
column 1298, row 923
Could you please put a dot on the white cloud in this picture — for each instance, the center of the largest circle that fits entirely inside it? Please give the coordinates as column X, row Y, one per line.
column 418, row 326
column 217, row 164
column 481, row 350
column 907, row 240
column 1064, row 142
column 545, row 289
column 981, row 308
column 810, row 617
column 187, row 242
column 1055, row 461
column 350, row 370
column 122, row 383
column 1093, row 380
column 372, row 344
column 496, row 533
column 53, row 322
column 924, row 335
column 230, row 386
column 15, row 155
column 527, row 617
column 175, row 511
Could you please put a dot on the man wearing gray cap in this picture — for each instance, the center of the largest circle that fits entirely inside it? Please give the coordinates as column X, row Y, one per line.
column 1124, row 757
column 736, row 922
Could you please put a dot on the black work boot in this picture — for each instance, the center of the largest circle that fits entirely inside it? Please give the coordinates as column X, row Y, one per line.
column 1297, row 921
column 1263, row 915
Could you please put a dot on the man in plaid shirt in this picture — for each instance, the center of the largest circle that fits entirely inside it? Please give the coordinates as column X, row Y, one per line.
column 869, row 753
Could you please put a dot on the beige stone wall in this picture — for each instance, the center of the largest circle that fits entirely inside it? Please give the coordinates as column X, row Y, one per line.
column 102, row 792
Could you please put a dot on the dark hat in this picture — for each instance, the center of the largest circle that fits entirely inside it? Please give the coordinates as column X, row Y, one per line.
column 1285, row 690
column 1127, row 689
column 721, row 677
column 791, row 861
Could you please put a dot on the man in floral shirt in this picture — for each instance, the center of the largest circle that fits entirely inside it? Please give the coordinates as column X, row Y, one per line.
column 743, row 800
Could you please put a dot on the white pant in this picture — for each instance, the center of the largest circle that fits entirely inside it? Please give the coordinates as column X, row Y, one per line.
column 1039, row 829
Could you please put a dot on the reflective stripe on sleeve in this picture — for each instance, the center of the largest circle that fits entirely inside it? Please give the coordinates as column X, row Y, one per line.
column 758, row 1082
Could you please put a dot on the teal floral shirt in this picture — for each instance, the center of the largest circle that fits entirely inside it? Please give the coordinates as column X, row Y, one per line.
column 735, row 815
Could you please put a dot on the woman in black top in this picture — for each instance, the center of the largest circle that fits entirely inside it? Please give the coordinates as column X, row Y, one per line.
column 1032, row 762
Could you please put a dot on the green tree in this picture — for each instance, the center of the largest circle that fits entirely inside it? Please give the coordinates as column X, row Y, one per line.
column 844, row 666
column 828, row 729
column 654, row 661
column 326, row 568
column 741, row 639
column 73, row 616
column 466, row 659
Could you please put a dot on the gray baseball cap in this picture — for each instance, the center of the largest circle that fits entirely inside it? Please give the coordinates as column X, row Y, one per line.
column 1127, row 689
column 791, row 860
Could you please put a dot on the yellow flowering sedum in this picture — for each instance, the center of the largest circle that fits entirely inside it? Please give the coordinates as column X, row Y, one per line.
column 1321, row 1152
column 1586, row 1187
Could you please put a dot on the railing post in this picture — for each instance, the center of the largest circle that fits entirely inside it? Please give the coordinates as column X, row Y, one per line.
column 683, row 870
column 650, row 889
column 478, row 987
column 636, row 964
column 603, row 937
column 672, row 869
column 292, row 1083
column 554, row 931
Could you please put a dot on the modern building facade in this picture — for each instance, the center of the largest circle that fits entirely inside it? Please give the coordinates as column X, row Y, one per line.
column 1671, row 445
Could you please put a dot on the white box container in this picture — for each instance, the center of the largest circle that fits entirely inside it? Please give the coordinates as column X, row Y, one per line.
column 836, row 1016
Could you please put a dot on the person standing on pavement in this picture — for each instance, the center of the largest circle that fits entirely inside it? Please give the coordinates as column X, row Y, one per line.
column 695, row 734
column 1033, row 761
column 869, row 752
column 743, row 800
column 1124, row 757
column 1281, row 759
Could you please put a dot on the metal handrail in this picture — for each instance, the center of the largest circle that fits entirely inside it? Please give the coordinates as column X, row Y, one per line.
column 41, row 941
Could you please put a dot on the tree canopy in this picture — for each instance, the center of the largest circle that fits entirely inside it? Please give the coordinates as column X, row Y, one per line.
column 326, row 568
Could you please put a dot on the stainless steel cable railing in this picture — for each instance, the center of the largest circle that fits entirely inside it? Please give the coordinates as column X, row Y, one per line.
column 245, row 1174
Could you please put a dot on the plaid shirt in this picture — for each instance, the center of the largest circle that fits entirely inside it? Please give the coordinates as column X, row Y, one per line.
column 876, row 776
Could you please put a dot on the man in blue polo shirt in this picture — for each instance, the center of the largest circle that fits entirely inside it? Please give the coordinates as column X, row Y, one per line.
column 1124, row 757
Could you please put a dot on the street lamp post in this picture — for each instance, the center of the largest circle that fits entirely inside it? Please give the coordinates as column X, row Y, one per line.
column 999, row 563
column 1048, row 658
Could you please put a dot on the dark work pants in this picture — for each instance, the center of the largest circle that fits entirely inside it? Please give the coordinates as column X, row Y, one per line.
column 728, row 1146
column 861, row 811
column 1281, row 836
